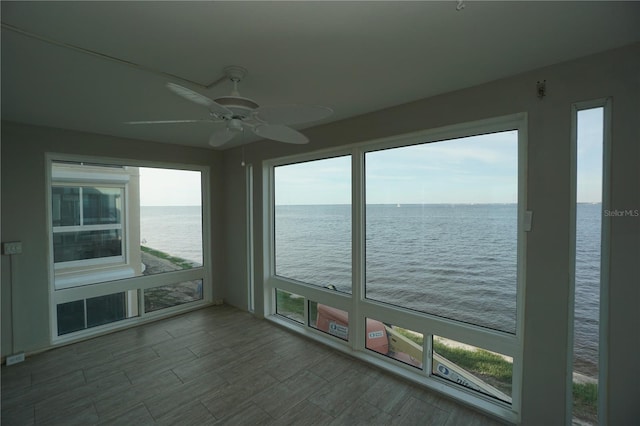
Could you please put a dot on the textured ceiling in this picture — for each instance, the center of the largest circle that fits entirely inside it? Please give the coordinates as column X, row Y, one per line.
column 91, row 66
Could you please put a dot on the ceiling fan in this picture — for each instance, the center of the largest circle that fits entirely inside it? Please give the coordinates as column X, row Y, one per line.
column 239, row 113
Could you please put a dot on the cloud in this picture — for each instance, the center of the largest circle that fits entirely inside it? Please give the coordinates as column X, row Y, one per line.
column 469, row 169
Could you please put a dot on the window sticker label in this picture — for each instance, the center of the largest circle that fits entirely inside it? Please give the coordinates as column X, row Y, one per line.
column 376, row 334
column 338, row 330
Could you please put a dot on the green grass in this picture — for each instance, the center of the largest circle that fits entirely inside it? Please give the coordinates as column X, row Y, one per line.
column 409, row 335
column 178, row 261
column 498, row 372
column 490, row 367
column 480, row 361
column 290, row 307
column 585, row 401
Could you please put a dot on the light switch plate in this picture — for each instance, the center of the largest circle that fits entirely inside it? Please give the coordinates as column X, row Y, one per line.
column 13, row 247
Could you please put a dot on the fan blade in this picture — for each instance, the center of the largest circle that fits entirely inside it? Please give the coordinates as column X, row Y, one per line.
column 167, row 121
column 199, row 99
column 292, row 114
column 221, row 137
column 280, row 133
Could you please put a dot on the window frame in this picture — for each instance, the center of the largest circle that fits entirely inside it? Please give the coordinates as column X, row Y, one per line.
column 117, row 282
column 122, row 227
column 484, row 127
column 359, row 308
column 605, row 237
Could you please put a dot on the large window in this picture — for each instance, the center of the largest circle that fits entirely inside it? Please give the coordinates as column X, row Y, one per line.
column 112, row 225
column 441, row 228
column 313, row 222
column 588, row 214
column 408, row 251
column 170, row 219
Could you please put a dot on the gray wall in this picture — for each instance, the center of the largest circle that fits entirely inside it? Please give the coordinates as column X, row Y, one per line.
column 24, row 215
column 615, row 74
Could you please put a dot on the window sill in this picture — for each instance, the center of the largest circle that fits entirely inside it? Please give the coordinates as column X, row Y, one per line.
column 86, row 277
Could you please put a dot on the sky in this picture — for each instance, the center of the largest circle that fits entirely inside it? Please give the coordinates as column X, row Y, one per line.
column 169, row 187
column 589, row 158
column 477, row 169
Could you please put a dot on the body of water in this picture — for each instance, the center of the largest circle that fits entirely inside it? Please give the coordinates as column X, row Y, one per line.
column 454, row 261
column 176, row 230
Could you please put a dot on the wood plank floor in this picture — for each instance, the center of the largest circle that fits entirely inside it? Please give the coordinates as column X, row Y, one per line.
column 217, row 365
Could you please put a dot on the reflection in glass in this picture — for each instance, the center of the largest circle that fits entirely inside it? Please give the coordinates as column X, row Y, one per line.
column 69, row 246
column 101, row 206
column 65, row 206
column 70, row 317
column 95, row 311
column 106, row 309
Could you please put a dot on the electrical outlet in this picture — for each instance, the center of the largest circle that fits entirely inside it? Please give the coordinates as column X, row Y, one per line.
column 13, row 247
column 14, row 359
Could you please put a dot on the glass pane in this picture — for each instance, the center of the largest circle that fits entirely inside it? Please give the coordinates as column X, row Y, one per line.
column 401, row 344
column 486, row 372
column 441, row 228
column 106, row 309
column 590, row 143
column 170, row 219
column 70, row 317
column 290, row 305
column 166, row 296
column 101, row 205
column 99, row 310
column 69, row 246
column 65, row 206
column 330, row 320
column 313, row 222
column 160, row 230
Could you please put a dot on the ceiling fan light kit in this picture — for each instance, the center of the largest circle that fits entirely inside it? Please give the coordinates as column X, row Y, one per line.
column 240, row 113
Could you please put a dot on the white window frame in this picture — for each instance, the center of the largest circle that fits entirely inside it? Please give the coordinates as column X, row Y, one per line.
column 250, row 273
column 359, row 308
column 605, row 232
column 98, row 261
column 121, row 282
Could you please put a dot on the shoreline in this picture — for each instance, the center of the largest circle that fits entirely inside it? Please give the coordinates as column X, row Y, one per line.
column 578, row 377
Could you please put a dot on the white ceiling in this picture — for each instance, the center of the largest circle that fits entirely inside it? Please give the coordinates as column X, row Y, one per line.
column 354, row 57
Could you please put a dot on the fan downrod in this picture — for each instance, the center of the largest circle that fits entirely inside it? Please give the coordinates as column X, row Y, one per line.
column 235, row 73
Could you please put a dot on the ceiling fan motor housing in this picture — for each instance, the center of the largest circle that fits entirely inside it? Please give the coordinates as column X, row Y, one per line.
column 238, row 113
column 241, row 107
